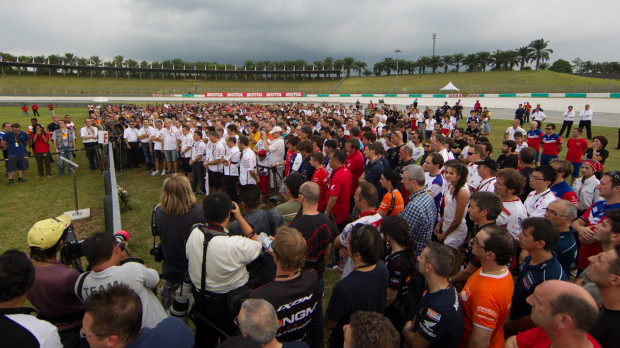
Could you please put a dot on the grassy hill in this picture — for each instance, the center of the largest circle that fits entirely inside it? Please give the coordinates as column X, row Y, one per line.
column 469, row 82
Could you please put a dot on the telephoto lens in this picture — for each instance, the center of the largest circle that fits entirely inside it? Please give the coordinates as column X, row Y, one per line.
column 180, row 306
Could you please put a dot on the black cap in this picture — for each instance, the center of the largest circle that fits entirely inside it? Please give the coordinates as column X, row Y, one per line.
column 488, row 162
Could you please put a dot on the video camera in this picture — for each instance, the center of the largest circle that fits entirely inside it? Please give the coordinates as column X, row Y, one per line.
column 72, row 251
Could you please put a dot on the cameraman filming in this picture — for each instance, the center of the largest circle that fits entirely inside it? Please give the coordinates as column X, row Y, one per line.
column 217, row 268
column 104, row 256
column 52, row 292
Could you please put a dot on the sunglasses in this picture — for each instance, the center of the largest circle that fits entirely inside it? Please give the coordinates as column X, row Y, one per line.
column 471, row 153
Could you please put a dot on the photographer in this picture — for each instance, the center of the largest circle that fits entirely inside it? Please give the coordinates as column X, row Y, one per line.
column 52, row 292
column 217, row 268
column 104, row 256
column 173, row 218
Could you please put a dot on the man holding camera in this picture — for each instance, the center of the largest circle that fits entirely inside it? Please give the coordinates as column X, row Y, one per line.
column 217, row 268
column 52, row 292
column 104, row 254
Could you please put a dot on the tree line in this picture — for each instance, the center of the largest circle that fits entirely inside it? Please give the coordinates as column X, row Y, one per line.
column 537, row 53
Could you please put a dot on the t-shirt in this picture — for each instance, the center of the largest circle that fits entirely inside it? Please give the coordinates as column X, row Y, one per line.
column 486, row 302
column 513, row 212
column 340, row 186
column 288, row 210
column 533, row 139
column 247, row 163
column 170, row 332
column 603, row 153
column 156, row 134
column 593, row 216
column 473, row 178
column 434, row 186
column 355, row 165
column 321, row 177
column 487, row 185
column 319, row 232
column 550, row 144
column 607, row 329
column 294, row 301
column 360, row 291
column 399, row 268
column 566, row 250
column 509, row 161
column 173, row 232
column 23, row 330
column 53, row 296
column 530, row 276
column 536, row 204
column 576, row 148
column 232, row 156
column 16, row 146
column 40, row 145
column 366, row 218
column 563, row 190
column 537, row 338
column 139, row 278
column 440, row 318
column 169, row 139
column 386, row 203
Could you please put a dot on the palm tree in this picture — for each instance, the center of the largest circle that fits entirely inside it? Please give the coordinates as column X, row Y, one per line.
column 497, row 59
column 378, row 68
column 471, row 61
column 578, row 65
column 540, row 51
column 524, row 55
column 511, row 59
column 360, row 66
column 484, row 59
column 348, row 63
column 435, row 63
column 389, row 64
column 446, row 60
column 457, row 59
column 423, row 62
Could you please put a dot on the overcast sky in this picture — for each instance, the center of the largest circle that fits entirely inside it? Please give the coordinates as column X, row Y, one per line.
column 236, row 31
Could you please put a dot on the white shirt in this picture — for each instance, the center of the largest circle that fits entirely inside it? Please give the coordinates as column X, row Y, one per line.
column 156, row 133
column 586, row 115
column 511, row 132
column 374, row 220
column 247, row 164
column 198, row 148
column 446, row 155
column 539, row 116
column 487, row 185
column 569, row 115
column 587, row 192
column 45, row 333
column 131, row 135
column 186, row 141
column 145, row 131
column 226, row 261
column 169, row 137
column 473, row 178
column 430, row 124
column 276, row 150
column 217, row 152
column 86, row 132
column 511, row 216
column 536, row 204
column 232, row 157
column 521, row 146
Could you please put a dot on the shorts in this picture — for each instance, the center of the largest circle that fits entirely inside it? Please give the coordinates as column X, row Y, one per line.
column 576, row 169
column 215, row 179
column 545, row 159
column 456, row 239
column 537, row 156
column 157, row 154
column 171, row 155
column 14, row 164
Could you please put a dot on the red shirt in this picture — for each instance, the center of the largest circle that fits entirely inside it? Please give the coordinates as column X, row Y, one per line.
column 289, row 158
column 537, row 338
column 576, row 148
column 355, row 164
column 51, row 106
column 550, row 144
column 41, row 146
column 35, row 107
column 321, row 177
column 24, row 108
column 340, row 186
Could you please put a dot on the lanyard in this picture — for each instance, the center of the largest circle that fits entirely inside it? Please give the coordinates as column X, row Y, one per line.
column 539, row 198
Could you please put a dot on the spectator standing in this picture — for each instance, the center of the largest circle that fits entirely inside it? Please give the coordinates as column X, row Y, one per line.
column 35, row 110
column 340, row 186
column 88, row 133
column 487, row 170
column 174, row 216
column 50, row 106
column 144, row 134
column 586, row 187
column 576, row 146
column 21, row 329
column 354, row 163
column 320, row 177
column 551, row 144
column 564, row 313
column 434, row 181
column 562, row 213
column 248, row 174
column 539, row 116
column 15, row 143
column 392, row 202
column 25, row 110
column 569, row 116
column 487, row 294
column 508, row 187
column 231, row 161
column 510, row 132
column 560, row 188
column 374, row 166
column 597, row 151
column 605, row 273
column 64, row 143
column 40, row 141
column 533, row 138
column 370, row 329
column 520, row 114
column 585, row 120
column 508, row 159
column 537, row 201
column 527, row 157
column 196, row 162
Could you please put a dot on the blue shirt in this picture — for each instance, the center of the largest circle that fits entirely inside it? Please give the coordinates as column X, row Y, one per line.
column 530, row 276
column 170, row 332
column 440, row 318
column 421, row 216
column 16, row 147
column 372, row 174
column 566, row 250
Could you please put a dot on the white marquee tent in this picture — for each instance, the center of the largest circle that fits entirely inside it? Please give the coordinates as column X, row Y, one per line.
column 450, row 87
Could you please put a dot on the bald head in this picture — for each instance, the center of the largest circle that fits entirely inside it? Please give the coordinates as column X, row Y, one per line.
column 311, row 192
column 566, row 299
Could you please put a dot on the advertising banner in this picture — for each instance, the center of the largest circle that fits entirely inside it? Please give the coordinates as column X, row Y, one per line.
column 252, row 94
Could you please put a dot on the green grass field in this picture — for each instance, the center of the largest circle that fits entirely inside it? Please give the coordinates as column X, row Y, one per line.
column 468, row 82
column 42, row 198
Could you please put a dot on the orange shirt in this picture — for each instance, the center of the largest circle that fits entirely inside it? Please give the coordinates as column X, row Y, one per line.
column 486, row 300
column 399, row 204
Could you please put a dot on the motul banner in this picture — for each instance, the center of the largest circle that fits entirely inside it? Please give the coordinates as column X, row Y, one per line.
column 251, row 95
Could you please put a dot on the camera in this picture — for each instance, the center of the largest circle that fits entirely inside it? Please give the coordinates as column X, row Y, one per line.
column 71, row 251
column 158, row 252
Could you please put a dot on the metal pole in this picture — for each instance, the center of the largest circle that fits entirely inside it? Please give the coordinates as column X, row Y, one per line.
column 397, row 52
column 434, row 38
column 74, row 188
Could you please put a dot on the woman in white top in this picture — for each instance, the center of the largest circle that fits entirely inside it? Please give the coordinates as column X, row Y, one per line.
column 451, row 228
column 585, row 187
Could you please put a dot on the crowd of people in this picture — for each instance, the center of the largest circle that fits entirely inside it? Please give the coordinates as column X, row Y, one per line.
column 398, row 197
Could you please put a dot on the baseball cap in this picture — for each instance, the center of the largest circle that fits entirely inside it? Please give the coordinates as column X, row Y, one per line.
column 276, row 129
column 262, row 152
column 488, row 162
column 45, row 233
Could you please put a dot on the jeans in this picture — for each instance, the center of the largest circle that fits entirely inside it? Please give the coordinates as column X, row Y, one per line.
column 66, row 152
column 198, row 174
column 148, row 156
